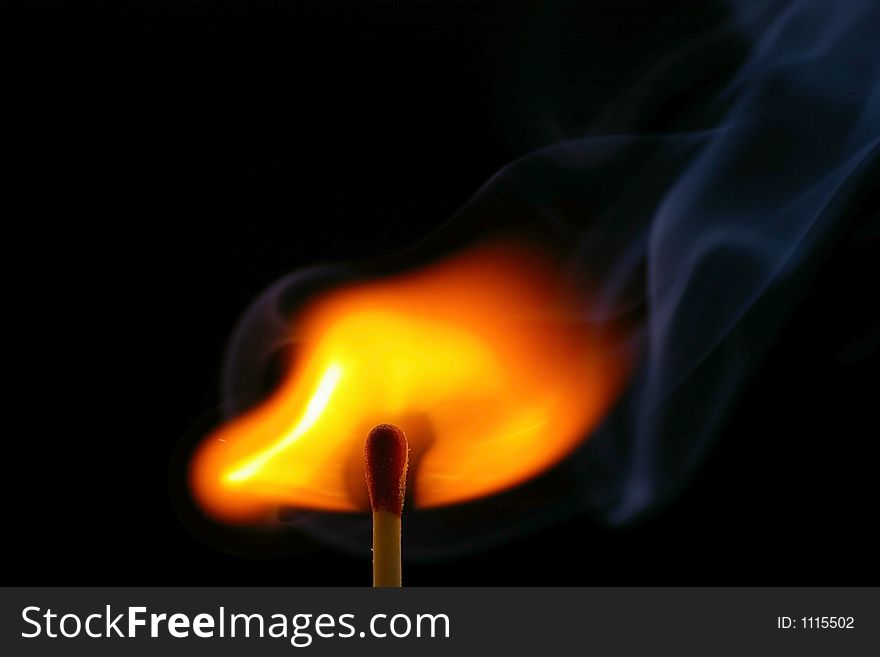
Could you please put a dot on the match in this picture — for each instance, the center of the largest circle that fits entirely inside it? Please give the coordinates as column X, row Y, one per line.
column 386, row 457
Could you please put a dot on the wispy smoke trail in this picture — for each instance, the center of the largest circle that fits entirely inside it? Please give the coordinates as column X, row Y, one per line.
column 703, row 241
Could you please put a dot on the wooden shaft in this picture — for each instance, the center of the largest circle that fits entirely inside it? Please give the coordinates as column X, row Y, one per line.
column 386, row 548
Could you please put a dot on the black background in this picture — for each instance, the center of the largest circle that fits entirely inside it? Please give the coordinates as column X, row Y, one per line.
column 171, row 159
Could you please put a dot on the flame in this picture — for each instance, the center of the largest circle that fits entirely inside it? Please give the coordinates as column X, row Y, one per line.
column 480, row 359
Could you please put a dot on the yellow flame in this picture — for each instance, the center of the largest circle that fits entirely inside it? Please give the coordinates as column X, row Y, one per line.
column 479, row 359
column 314, row 408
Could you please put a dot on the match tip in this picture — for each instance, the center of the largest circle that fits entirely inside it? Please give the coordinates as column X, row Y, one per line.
column 386, row 455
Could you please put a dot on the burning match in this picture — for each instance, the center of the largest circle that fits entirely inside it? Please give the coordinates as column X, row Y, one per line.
column 386, row 457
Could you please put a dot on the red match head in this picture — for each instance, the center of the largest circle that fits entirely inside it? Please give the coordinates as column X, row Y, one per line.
column 386, row 456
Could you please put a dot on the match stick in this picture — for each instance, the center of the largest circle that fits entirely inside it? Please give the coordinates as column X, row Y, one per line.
column 386, row 457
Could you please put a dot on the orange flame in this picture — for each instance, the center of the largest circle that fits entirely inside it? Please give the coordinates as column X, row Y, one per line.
column 480, row 359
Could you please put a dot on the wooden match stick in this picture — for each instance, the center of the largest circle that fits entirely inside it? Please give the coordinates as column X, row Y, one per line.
column 386, row 457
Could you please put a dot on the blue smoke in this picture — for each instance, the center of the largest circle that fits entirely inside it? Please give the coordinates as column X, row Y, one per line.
column 703, row 241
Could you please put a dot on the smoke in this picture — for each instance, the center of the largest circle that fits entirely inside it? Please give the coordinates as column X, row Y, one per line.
column 702, row 238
